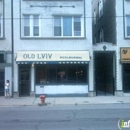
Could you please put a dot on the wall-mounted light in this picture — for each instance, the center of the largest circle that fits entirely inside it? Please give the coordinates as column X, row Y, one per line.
column 32, row 64
column 104, row 47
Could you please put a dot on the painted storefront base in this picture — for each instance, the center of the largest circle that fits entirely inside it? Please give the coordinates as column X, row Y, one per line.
column 62, row 90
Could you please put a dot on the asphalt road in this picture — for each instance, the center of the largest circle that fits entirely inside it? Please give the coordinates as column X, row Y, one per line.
column 80, row 117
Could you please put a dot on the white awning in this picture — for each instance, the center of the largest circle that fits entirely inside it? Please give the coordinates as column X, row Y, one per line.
column 52, row 57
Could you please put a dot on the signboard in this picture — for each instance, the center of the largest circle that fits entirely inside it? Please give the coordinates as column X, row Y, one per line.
column 52, row 56
column 125, row 54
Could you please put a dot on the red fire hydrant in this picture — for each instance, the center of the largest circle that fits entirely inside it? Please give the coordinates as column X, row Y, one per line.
column 42, row 97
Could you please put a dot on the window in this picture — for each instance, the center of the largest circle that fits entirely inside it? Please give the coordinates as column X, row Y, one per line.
column 2, row 58
column 128, row 26
column 95, row 39
column 1, row 26
column 94, row 17
column 41, row 75
column 100, row 8
column 31, row 26
column 51, row 74
column 61, row 74
column 101, row 35
column 67, row 26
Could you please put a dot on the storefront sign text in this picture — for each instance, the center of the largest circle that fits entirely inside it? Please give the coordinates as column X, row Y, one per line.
column 125, row 54
column 37, row 56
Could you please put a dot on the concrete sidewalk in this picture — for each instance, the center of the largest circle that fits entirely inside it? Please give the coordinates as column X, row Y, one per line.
column 31, row 101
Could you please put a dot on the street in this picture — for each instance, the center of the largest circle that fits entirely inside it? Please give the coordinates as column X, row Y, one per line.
column 64, row 117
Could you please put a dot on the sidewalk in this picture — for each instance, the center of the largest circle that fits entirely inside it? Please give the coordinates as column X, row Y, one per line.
column 33, row 101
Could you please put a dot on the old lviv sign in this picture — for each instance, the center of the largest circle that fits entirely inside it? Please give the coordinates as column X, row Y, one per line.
column 53, row 56
column 125, row 54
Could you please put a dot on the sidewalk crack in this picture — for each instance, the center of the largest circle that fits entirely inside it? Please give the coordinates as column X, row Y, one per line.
column 34, row 100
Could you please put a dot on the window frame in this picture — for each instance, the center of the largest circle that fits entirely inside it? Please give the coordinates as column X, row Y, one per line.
column 31, row 25
column 73, row 22
column 126, row 35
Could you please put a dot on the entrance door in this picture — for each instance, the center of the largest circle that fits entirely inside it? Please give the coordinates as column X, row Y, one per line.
column 104, row 73
column 24, row 80
column 126, row 78
column 2, row 82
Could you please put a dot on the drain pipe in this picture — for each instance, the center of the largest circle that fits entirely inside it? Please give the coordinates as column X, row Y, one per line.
column 12, row 41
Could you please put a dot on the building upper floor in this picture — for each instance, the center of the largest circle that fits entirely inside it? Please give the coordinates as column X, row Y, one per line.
column 42, row 18
column 52, row 19
column 111, row 21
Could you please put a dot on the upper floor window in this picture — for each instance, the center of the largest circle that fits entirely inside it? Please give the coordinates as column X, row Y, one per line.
column 67, row 26
column 128, row 26
column 1, row 26
column 101, row 35
column 94, row 17
column 100, row 8
column 95, row 39
column 31, row 26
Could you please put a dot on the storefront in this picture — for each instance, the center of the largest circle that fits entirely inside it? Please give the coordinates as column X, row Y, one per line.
column 5, row 71
column 54, row 73
column 125, row 61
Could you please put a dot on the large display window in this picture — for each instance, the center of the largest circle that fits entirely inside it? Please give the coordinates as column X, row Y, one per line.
column 61, row 74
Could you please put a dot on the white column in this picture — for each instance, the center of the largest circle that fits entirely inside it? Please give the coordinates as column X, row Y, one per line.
column 16, row 75
column 32, row 79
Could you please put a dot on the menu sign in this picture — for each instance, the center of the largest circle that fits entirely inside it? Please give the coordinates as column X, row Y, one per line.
column 125, row 54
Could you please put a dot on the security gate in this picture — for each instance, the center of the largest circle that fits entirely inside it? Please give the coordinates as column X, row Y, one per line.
column 104, row 73
column 126, row 78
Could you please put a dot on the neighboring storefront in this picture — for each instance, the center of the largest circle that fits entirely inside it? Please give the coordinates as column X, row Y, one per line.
column 5, row 71
column 54, row 73
column 125, row 61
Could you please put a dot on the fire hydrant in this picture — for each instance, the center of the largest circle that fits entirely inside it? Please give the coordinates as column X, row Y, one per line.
column 42, row 97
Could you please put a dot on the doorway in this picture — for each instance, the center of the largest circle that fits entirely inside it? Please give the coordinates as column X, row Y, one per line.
column 2, row 82
column 24, row 80
column 126, row 78
column 104, row 72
